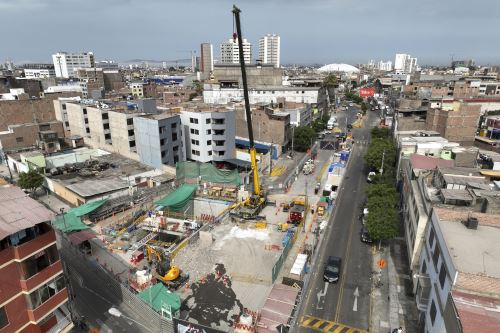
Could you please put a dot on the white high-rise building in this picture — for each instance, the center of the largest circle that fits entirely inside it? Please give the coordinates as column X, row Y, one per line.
column 385, row 66
column 65, row 64
column 269, row 50
column 229, row 53
column 405, row 63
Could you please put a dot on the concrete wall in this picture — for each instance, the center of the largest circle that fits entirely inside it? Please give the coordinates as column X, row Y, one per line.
column 96, row 126
column 215, row 95
column 76, row 119
column 26, row 135
column 256, row 75
column 148, row 140
column 266, row 128
column 120, row 132
column 26, row 111
column 209, row 207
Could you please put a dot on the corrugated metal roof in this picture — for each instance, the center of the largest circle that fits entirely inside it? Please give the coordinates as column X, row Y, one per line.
column 18, row 211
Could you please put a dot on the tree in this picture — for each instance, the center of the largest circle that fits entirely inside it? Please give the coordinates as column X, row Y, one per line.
column 171, row 69
column 381, row 149
column 30, row 180
column 354, row 84
column 364, row 107
column 318, row 125
column 380, row 133
column 330, row 81
column 382, row 223
column 303, row 137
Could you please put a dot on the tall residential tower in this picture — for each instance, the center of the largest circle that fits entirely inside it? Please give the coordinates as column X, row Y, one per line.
column 65, row 64
column 229, row 52
column 269, row 50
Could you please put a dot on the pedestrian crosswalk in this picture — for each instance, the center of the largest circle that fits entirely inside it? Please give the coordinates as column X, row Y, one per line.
column 326, row 326
column 362, row 142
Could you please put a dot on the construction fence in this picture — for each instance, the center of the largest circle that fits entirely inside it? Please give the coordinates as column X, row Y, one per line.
column 286, row 249
column 85, row 272
column 187, row 172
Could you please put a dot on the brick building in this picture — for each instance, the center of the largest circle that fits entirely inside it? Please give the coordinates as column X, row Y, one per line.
column 33, row 291
column 47, row 135
column 457, row 123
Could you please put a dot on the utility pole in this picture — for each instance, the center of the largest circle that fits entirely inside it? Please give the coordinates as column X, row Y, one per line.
column 8, row 167
column 293, row 134
column 382, row 166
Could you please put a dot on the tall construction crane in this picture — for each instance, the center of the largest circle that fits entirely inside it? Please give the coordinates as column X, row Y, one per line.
column 257, row 200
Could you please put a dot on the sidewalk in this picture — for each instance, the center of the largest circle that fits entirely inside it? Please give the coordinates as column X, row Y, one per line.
column 392, row 303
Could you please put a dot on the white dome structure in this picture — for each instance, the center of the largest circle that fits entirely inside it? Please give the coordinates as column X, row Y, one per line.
column 344, row 68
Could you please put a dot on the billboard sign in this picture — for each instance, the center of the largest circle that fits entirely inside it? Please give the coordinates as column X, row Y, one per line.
column 366, row 92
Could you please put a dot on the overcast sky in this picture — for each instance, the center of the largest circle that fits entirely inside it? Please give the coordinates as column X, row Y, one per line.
column 312, row 31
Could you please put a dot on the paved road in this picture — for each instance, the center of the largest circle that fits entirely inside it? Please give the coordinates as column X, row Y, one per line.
column 328, row 307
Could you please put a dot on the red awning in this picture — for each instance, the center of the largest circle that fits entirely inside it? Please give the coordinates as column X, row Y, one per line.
column 79, row 237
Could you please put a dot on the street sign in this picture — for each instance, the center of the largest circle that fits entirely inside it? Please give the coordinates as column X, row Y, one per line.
column 366, row 92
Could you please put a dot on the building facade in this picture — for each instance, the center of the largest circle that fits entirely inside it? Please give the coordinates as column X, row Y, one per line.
column 206, row 59
column 229, row 53
column 65, row 63
column 215, row 94
column 39, row 71
column 405, row 63
column 33, row 291
column 159, row 139
column 137, row 89
column 269, row 50
column 209, row 133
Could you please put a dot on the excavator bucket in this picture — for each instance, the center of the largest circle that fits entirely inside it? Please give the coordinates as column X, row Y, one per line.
column 172, row 274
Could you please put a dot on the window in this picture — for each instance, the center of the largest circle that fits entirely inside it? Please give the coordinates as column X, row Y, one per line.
column 66, row 123
column 64, row 106
column 219, row 143
column 174, row 136
column 105, row 126
column 88, row 131
column 209, row 132
column 222, row 152
column 219, row 132
column 176, row 148
column 194, row 131
column 130, row 132
column 105, row 116
column 19, row 139
column 107, row 136
column 424, row 267
column 131, row 144
column 173, row 126
column 193, row 120
column 162, row 129
column 195, row 152
column 209, row 153
column 4, row 321
column 86, row 121
column 195, row 142
column 162, row 142
column 163, row 153
column 431, row 238
column 42, row 294
column 208, row 120
column 433, row 312
column 209, row 142
column 39, row 261
column 176, row 159
column 84, row 110
column 435, row 256
column 130, row 121
column 219, row 121
column 44, row 127
column 442, row 275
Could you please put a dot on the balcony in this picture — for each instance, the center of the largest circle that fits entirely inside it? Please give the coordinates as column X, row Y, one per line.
column 423, row 292
column 26, row 249
column 48, row 306
column 41, row 276
column 6, row 255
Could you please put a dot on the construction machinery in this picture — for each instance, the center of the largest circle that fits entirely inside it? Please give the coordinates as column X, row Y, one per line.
column 170, row 275
column 252, row 206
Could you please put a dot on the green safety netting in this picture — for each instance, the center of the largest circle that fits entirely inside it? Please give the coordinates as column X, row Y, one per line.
column 159, row 297
column 69, row 222
column 178, row 199
column 207, row 172
column 87, row 208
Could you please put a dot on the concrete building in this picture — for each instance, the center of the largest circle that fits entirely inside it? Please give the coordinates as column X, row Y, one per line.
column 77, row 118
column 459, row 259
column 229, row 53
column 33, row 291
column 65, row 63
column 270, row 128
column 61, row 113
column 209, row 133
column 206, row 59
column 218, row 94
column 38, row 71
column 137, row 89
column 457, row 122
column 93, row 77
column 159, row 139
column 229, row 75
column 404, row 63
column 269, row 50
column 46, row 136
column 385, row 66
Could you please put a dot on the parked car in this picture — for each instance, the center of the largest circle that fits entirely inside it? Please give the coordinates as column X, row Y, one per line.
column 365, row 235
column 332, row 269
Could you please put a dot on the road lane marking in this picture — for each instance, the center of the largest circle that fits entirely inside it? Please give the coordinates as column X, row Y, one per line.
column 356, row 295
column 327, row 326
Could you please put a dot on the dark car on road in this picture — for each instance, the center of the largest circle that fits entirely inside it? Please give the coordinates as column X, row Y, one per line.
column 365, row 236
column 332, row 269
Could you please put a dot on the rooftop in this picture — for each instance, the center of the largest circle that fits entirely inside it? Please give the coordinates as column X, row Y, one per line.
column 18, row 211
column 473, row 252
column 427, row 162
column 477, row 314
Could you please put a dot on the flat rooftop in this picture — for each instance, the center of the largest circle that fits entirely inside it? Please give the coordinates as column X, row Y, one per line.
column 472, row 251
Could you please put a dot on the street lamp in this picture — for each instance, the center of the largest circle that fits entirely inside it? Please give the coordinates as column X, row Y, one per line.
column 117, row 313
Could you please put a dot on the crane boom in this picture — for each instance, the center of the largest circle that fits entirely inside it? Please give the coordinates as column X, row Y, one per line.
column 253, row 152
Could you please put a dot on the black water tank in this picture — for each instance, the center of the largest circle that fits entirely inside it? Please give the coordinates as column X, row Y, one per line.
column 472, row 223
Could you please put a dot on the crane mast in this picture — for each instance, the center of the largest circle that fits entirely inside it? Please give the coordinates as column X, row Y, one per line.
column 253, row 152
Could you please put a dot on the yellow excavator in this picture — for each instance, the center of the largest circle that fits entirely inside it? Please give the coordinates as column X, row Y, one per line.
column 252, row 206
column 170, row 275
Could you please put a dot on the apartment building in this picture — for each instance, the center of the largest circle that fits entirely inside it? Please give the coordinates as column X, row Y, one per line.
column 459, row 262
column 229, row 53
column 209, row 133
column 77, row 118
column 456, row 122
column 137, row 89
column 93, row 76
column 46, row 136
column 61, row 113
column 218, row 94
column 65, row 63
column 38, row 71
column 206, row 59
column 159, row 139
column 269, row 50
column 405, row 63
column 33, row 290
